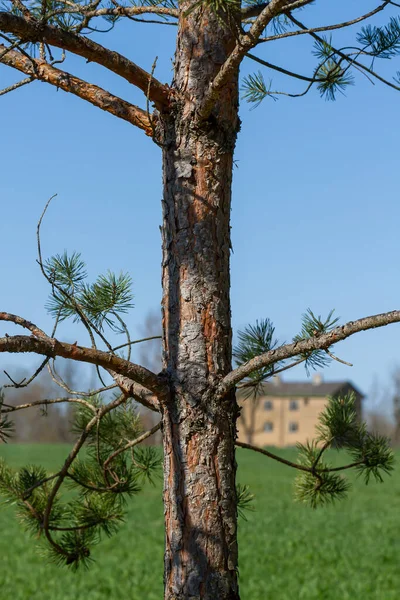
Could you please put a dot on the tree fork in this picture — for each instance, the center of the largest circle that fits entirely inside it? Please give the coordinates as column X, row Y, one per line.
column 199, row 431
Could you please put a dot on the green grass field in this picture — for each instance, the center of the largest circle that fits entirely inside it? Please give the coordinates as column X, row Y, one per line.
column 287, row 552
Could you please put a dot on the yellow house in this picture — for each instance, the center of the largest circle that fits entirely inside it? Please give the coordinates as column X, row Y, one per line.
column 287, row 412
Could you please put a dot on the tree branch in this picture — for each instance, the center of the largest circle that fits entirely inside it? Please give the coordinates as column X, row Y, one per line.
column 52, row 348
column 63, row 473
column 34, row 329
column 245, row 43
column 254, row 11
column 47, row 402
column 136, row 391
column 344, row 56
column 342, row 25
column 33, row 31
column 288, row 463
column 318, row 342
column 132, row 443
column 15, row 86
column 97, row 96
column 297, row 466
column 280, row 69
column 117, row 11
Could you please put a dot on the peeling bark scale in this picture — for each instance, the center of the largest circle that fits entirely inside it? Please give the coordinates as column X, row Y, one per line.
column 199, row 433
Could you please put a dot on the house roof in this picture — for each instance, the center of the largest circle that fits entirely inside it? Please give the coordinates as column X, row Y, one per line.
column 308, row 388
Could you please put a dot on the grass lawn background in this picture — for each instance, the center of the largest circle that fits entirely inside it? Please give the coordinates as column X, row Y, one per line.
column 350, row 550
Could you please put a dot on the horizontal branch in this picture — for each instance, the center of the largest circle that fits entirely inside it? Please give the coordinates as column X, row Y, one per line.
column 47, row 402
column 117, row 11
column 34, row 31
column 317, row 342
column 323, row 28
column 53, row 348
column 97, row 96
column 297, row 466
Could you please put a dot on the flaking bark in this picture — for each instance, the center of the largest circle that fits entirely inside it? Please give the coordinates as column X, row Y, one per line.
column 199, row 432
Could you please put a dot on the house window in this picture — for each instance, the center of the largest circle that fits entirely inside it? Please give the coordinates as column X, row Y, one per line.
column 268, row 405
column 268, row 426
column 293, row 426
column 293, row 405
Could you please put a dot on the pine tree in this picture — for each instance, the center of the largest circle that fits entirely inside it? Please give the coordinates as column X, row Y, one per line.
column 195, row 123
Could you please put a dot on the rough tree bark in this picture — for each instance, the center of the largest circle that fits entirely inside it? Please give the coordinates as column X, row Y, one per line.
column 199, row 432
column 196, row 123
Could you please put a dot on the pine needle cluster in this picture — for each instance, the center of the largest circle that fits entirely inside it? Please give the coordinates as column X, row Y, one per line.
column 339, row 428
column 111, row 470
column 101, row 303
column 312, row 326
column 253, row 341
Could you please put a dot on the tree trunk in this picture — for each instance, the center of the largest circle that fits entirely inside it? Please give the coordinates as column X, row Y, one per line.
column 199, row 432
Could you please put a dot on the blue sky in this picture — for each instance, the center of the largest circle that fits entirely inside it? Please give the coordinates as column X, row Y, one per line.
column 315, row 216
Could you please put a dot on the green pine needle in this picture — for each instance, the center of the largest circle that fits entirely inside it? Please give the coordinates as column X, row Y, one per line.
column 101, row 303
column 245, row 500
column 255, row 89
column 253, row 341
column 73, row 548
column 376, row 455
column 339, row 428
column 148, row 462
column 322, row 490
column 338, row 422
column 311, row 326
column 332, row 78
column 381, row 42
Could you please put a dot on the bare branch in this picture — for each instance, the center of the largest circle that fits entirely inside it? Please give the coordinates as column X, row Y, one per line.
column 62, row 384
column 343, row 362
column 288, row 463
column 342, row 25
column 318, row 342
column 117, row 11
column 132, row 443
column 17, row 85
column 249, row 384
column 52, row 347
column 47, row 402
column 34, row 329
column 297, row 466
column 97, row 96
column 281, row 69
column 88, row 324
column 33, row 31
column 147, row 339
column 25, row 382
